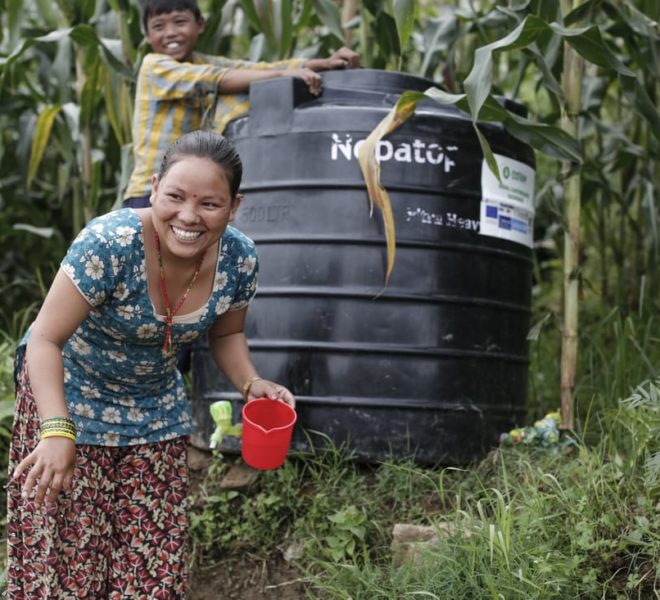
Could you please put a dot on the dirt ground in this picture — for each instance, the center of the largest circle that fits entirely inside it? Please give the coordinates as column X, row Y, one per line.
column 246, row 578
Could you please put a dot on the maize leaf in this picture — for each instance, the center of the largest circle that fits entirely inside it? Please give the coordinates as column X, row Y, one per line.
column 40, row 140
column 378, row 196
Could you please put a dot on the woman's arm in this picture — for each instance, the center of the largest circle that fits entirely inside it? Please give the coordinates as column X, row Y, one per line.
column 231, row 354
column 53, row 460
column 62, row 312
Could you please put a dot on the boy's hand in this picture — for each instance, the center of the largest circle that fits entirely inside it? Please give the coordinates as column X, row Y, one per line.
column 52, row 463
column 311, row 78
column 344, row 58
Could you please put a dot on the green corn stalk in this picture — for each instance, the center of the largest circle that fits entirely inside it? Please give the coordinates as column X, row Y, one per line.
column 68, row 9
column 85, row 132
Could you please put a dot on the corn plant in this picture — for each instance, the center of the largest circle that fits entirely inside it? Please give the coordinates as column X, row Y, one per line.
column 67, row 72
column 617, row 46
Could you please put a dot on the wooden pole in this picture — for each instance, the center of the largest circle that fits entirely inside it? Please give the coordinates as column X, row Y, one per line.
column 572, row 85
column 348, row 11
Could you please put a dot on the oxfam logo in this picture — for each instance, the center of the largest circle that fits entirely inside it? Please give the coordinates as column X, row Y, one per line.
column 506, row 172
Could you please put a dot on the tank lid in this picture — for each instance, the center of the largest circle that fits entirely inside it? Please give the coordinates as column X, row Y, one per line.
column 375, row 80
column 369, row 84
column 273, row 101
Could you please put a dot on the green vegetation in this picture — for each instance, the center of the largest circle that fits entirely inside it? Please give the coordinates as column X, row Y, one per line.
column 581, row 522
column 524, row 523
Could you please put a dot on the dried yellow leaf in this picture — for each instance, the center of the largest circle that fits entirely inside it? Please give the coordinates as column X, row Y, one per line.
column 378, row 195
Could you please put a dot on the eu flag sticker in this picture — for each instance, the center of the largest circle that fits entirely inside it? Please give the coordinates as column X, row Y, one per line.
column 491, row 212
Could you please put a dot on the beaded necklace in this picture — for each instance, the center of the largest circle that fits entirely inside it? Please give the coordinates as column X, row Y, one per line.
column 169, row 318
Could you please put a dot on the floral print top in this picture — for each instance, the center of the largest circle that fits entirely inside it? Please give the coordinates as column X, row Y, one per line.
column 120, row 387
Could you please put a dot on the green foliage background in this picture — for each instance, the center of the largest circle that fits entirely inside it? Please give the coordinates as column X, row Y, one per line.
column 67, row 72
column 588, row 524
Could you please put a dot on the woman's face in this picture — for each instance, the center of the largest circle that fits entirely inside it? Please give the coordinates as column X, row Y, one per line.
column 191, row 206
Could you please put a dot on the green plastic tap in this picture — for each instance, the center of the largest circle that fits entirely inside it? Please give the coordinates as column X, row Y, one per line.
column 221, row 412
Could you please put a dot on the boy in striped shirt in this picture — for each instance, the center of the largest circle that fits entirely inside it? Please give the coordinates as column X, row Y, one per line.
column 176, row 86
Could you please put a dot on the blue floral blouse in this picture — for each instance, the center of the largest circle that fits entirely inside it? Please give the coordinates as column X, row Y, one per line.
column 120, row 387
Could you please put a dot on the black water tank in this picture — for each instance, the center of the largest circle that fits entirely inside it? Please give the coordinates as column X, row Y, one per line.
column 435, row 363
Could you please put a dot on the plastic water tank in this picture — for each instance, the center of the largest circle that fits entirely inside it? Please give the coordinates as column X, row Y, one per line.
column 435, row 363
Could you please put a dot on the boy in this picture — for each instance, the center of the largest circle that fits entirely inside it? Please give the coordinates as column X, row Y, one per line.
column 176, row 86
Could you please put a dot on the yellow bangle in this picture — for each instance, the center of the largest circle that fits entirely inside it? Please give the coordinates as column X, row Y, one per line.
column 248, row 384
column 58, row 433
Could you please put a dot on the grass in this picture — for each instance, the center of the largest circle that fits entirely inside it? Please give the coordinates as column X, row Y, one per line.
column 581, row 522
column 528, row 523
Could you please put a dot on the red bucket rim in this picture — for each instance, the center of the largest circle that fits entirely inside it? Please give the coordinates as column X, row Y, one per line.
column 262, row 429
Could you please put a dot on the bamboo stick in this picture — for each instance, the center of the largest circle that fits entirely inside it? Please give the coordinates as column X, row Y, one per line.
column 572, row 85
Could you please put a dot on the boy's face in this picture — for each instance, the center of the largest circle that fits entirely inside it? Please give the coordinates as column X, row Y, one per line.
column 174, row 33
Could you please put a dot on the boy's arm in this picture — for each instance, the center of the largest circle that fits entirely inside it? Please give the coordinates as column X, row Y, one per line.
column 169, row 79
column 228, row 63
column 241, row 73
column 344, row 58
column 237, row 81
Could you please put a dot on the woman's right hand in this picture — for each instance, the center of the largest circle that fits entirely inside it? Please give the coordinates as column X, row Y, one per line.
column 52, row 463
column 262, row 388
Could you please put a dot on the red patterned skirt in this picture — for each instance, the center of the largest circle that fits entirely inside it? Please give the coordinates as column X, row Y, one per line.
column 119, row 533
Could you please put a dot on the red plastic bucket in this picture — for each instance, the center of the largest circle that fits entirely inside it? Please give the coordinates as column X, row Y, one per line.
column 267, row 428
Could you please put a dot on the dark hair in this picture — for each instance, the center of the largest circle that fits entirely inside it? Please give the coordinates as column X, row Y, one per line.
column 209, row 145
column 151, row 8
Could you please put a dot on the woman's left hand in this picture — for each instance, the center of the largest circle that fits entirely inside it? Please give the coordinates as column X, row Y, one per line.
column 262, row 388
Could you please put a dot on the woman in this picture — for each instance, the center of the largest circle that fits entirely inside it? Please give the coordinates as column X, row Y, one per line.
column 96, row 504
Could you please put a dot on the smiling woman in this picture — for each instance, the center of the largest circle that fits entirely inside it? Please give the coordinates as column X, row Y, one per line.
column 193, row 201
column 99, row 398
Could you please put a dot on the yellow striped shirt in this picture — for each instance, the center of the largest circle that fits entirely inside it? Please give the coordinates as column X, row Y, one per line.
column 172, row 98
